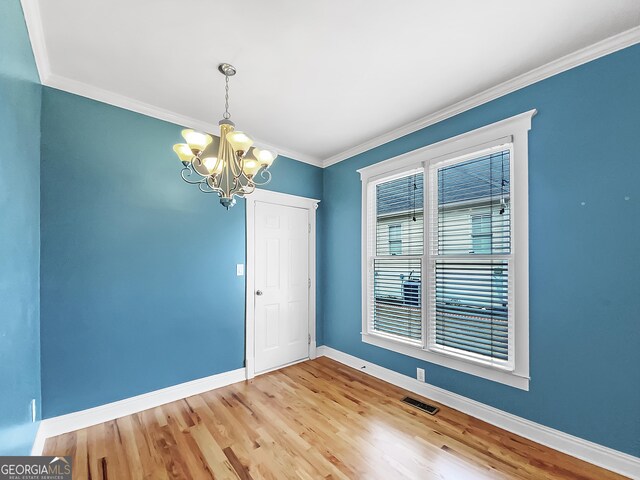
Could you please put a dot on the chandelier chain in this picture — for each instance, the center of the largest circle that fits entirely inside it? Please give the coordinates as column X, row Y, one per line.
column 226, row 98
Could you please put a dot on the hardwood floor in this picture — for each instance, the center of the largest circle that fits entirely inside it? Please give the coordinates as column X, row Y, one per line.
column 317, row 419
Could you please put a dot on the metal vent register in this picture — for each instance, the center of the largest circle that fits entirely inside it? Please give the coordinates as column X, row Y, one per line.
column 425, row 407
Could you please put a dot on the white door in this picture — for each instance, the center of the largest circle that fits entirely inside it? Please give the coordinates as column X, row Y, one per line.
column 281, row 285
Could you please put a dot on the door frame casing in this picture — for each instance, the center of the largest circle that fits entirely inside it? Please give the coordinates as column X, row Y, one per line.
column 283, row 199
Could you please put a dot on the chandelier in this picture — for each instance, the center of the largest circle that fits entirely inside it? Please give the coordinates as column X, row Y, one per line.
column 229, row 165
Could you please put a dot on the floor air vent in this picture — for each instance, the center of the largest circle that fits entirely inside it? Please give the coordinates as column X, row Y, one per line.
column 425, row 407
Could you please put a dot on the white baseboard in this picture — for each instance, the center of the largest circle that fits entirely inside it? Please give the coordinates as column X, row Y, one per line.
column 577, row 447
column 51, row 427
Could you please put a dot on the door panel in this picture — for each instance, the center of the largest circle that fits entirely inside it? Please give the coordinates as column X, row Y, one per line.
column 282, row 280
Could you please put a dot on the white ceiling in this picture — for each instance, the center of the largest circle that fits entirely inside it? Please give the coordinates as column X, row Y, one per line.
column 315, row 78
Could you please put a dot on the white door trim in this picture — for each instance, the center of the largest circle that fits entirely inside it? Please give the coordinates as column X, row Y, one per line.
column 286, row 200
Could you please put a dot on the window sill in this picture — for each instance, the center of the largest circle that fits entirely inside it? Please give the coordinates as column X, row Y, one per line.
column 505, row 377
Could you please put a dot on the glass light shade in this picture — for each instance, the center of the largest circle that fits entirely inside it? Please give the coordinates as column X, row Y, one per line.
column 201, row 165
column 264, row 157
column 251, row 167
column 183, row 151
column 240, row 141
column 213, row 165
column 197, row 141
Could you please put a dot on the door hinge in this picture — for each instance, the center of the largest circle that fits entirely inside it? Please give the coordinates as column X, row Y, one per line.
column 309, row 283
column 309, row 228
column 309, row 339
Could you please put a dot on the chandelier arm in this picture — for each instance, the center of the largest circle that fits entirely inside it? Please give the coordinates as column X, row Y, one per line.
column 203, row 188
column 250, row 188
column 237, row 189
column 201, row 163
column 237, row 165
column 242, row 179
column 266, row 175
column 228, row 174
column 187, row 172
column 237, row 186
column 211, row 181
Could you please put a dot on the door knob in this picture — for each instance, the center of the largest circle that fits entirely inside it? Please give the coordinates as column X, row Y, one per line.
column 258, row 292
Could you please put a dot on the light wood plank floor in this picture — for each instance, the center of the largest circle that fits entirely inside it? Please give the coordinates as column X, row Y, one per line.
column 317, row 419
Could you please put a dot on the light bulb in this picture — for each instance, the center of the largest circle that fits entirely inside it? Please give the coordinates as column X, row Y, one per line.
column 251, row 167
column 264, row 157
column 240, row 141
column 183, row 151
column 197, row 141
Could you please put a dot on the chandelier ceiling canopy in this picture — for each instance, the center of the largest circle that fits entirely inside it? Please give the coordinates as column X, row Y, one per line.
column 229, row 165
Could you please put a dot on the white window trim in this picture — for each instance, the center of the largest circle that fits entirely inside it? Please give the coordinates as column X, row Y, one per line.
column 511, row 130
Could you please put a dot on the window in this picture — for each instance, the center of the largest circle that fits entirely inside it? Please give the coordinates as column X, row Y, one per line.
column 445, row 253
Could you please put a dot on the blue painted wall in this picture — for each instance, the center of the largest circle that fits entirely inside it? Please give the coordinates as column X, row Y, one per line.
column 139, row 288
column 19, row 232
column 138, row 285
column 584, row 259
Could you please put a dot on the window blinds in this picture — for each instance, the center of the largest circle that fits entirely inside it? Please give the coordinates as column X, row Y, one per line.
column 470, row 257
column 471, row 307
column 395, row 281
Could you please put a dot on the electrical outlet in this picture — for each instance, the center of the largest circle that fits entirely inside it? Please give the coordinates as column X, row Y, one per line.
column 240, row 269
column 420, row 374
column 33, row 409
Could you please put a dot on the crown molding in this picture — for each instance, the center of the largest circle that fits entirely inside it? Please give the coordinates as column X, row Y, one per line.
column 105, row 96
column 579, row 57
column 33, row 20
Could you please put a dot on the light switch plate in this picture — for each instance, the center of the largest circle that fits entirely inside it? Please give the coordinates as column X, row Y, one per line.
column 240, row 269
column 420, row 374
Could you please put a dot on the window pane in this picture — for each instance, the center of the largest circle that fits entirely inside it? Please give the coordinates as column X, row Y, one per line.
column 397, row 297
column 474, row 214
column 399, row 216
column 481, row 234
column 472, row 307
column 395, row 239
